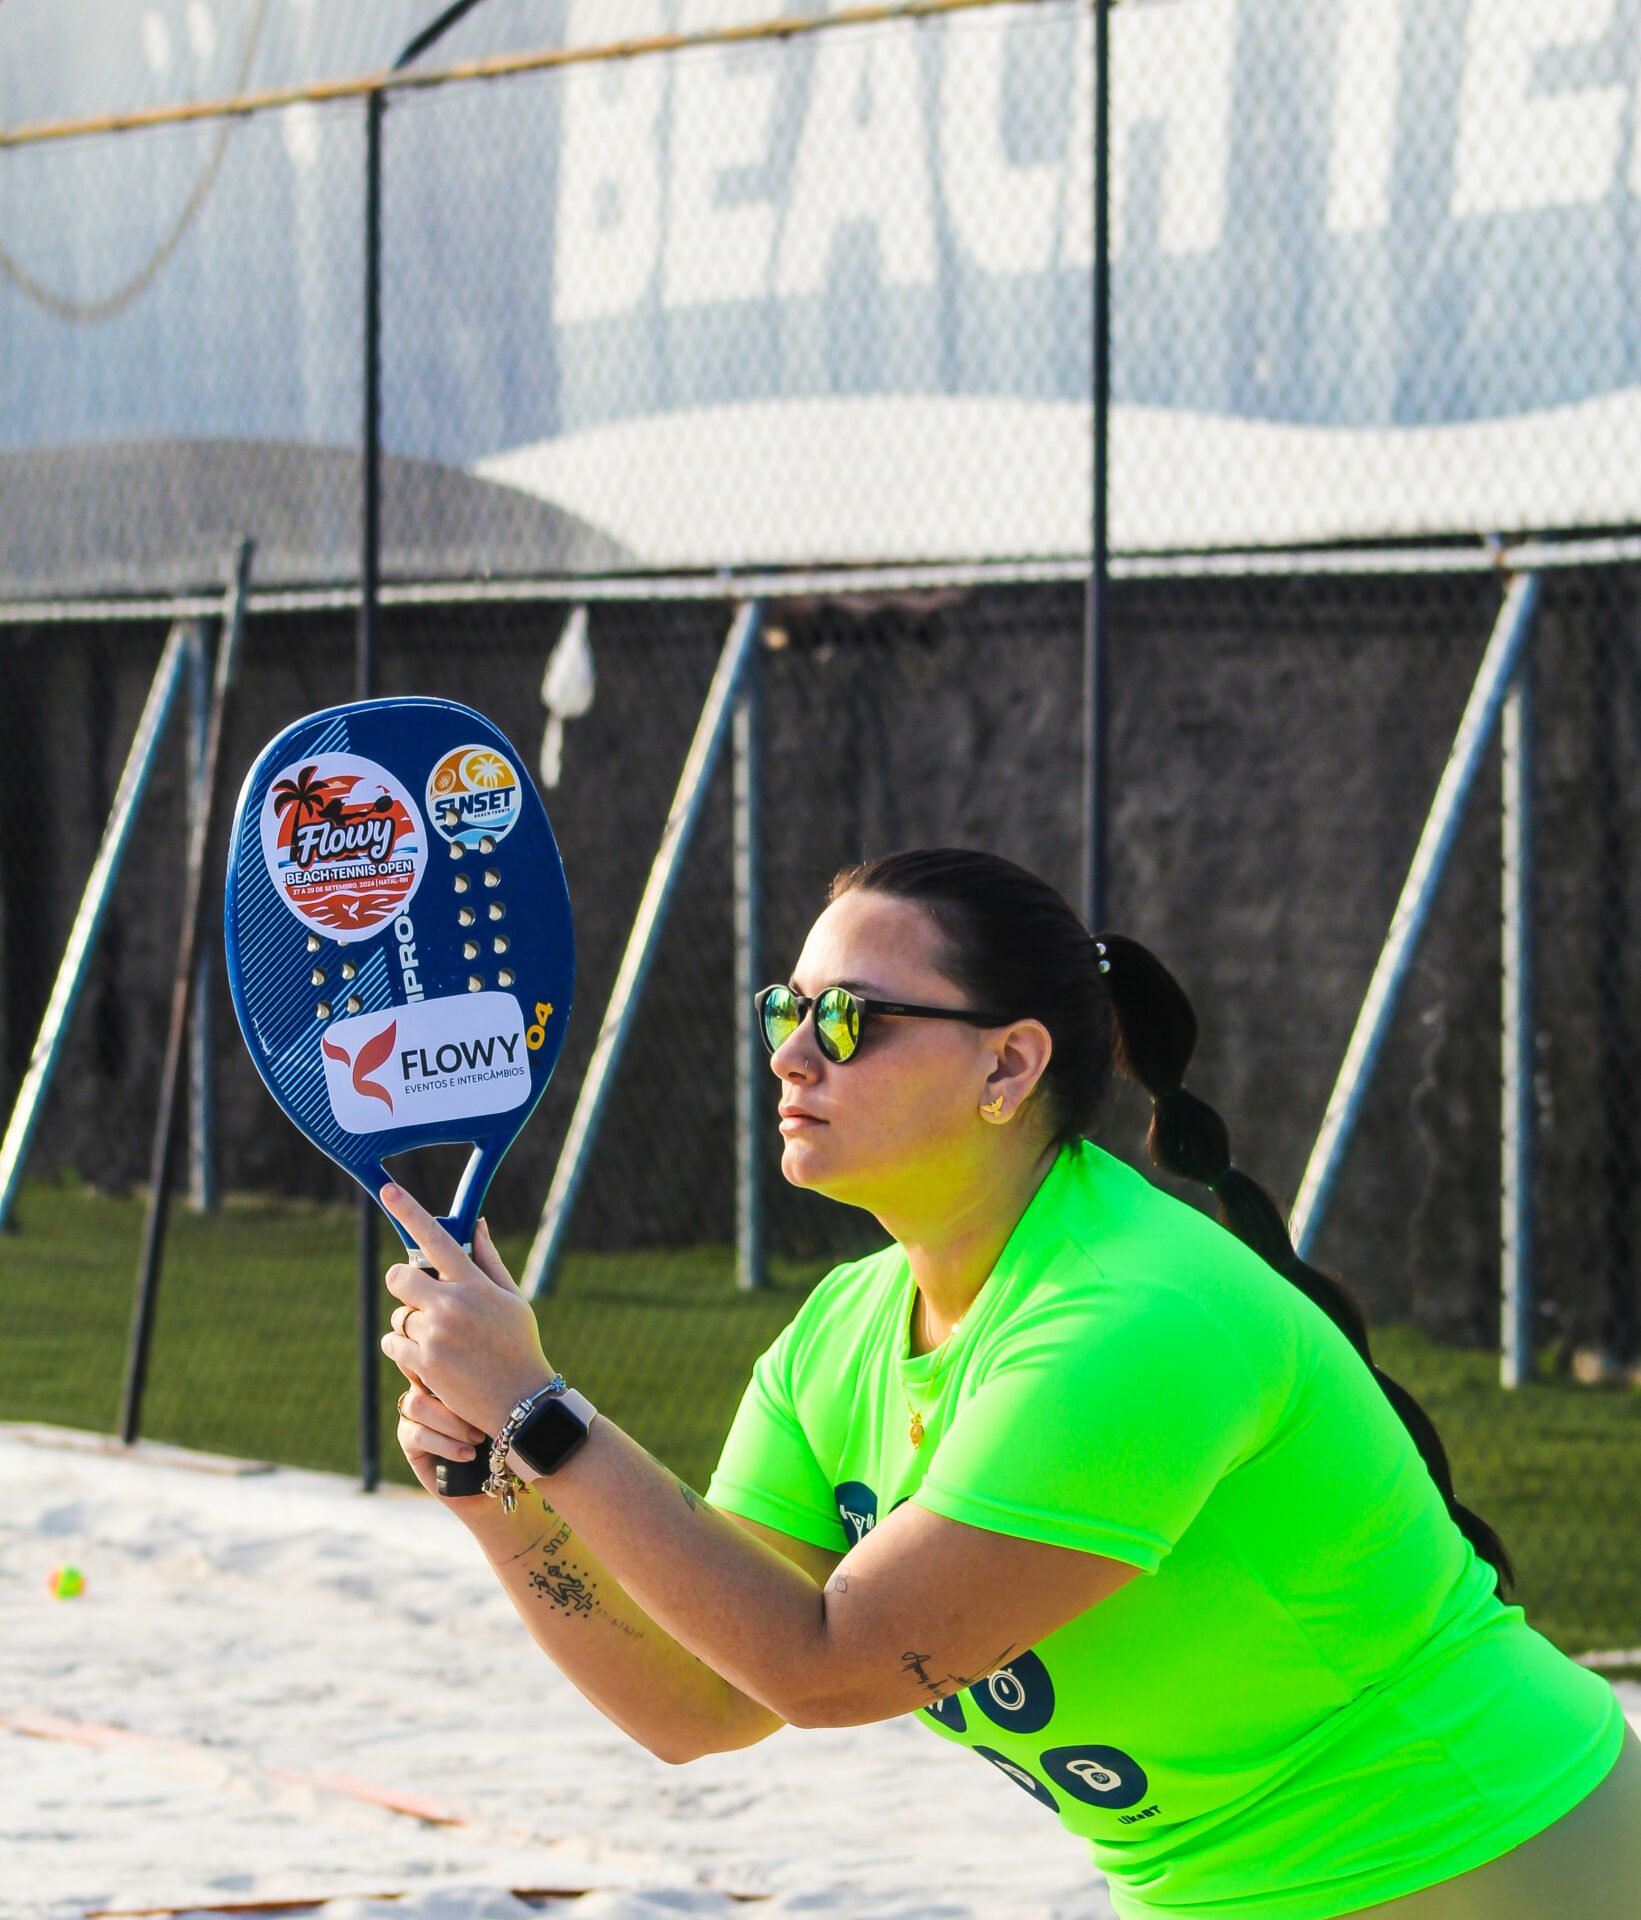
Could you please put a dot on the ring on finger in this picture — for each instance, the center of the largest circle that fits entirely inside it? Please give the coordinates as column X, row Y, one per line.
column 403, row 1397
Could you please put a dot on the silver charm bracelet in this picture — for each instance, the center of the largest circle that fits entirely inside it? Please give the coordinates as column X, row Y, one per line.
column 503, row 1481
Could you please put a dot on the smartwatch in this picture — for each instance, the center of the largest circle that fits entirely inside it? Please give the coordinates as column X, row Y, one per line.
column 553, row 1428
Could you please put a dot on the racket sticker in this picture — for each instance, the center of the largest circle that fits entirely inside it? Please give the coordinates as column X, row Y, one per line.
column 473, row 796
column 455, row 1058
column 344, row 844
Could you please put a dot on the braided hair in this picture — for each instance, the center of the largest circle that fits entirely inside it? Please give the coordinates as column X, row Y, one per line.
column 1012, row 940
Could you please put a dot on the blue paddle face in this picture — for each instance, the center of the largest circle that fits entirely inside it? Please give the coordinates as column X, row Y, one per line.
column 400, row 949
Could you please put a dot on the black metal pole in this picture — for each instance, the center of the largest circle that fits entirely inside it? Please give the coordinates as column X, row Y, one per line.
column 189, row 946
column 370, row 1461
column 436, row 30
column 1096, row 606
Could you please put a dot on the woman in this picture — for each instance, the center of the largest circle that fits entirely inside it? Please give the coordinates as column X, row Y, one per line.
column 950, row 1470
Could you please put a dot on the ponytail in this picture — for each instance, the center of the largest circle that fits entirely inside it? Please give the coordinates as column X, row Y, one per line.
column 1012, row 941
column 1155, row 1033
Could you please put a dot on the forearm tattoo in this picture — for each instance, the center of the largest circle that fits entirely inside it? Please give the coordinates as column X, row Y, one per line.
column 552, row 1546
column 691, row 1498
column 560, row 1585
column 564, row 1589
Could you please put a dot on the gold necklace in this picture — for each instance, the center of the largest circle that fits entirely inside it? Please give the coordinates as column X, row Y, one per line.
column 915, row 1431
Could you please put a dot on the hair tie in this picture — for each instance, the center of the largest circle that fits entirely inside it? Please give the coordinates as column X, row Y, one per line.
column 1099, row 948
column 1213, row 1185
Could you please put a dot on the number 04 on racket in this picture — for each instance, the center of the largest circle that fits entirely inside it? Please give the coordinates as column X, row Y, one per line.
column 400, row 950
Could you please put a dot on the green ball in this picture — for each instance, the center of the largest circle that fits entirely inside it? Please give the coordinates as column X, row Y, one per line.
column 65, row 1582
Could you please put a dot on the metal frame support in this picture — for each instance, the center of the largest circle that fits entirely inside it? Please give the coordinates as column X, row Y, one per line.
column 1519, row 1042
column 202, row 1171
column 751, row 1069
column 1097, row 593
column 642, row 942
column 366, row 1287
column 1493, row 679
column 99, row 887
column 365, row 1284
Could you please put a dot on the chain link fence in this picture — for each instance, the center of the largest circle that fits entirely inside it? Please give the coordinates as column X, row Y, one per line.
column 806, row 314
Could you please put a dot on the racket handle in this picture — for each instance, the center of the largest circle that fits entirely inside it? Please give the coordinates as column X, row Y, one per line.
column 457, row 1479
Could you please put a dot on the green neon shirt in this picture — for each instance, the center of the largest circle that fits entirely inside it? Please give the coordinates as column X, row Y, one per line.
column 1315, row 1701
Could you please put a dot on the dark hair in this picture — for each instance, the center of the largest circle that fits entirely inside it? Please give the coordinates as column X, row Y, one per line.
column 1013, row 941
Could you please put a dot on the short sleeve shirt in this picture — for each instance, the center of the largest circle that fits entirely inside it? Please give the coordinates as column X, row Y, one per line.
column 1316, row 1701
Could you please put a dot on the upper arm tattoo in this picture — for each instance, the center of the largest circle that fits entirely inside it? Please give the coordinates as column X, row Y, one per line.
column 914, row 1665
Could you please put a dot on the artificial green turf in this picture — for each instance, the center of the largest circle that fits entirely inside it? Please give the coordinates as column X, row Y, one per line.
column 255, row 1353
column 255, row 1345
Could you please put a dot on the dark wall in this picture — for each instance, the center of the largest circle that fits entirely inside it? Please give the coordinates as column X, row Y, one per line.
column 1275, row 748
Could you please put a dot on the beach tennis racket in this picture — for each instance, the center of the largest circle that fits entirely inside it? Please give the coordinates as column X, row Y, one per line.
column 400, row 950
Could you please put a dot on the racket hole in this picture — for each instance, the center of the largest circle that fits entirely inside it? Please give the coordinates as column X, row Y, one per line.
column 487, row 845
column 322, row 1011
column 491, row 877
column 455, row 849
column 499, row 944
column 505, row 977
column 497, row 911
column 470, row 949
column 465, row 916
column 462, row 883
column 355, row 1004
column 317, row 977
column 314, row 943
column 475, row 982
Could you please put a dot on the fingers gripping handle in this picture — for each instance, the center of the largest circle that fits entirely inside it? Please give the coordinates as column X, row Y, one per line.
column 456, row 1479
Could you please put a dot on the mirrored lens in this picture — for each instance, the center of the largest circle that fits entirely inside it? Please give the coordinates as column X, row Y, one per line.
column 780, row 1016
column 837, row 1021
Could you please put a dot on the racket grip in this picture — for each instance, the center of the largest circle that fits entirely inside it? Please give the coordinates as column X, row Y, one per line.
column 457, row 1478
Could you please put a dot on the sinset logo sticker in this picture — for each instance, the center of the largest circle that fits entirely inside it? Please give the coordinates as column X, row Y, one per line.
column 473, row 795
column 455, row 1058
column 344, row 843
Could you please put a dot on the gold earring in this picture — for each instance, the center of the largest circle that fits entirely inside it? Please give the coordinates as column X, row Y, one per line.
column 995, row 1108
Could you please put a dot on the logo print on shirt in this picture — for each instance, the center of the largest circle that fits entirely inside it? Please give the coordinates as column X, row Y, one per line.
column 857, row 1509
column 1019, row 1696
column 949, row 1712
column 1021, row 1778
column 1099, row 1776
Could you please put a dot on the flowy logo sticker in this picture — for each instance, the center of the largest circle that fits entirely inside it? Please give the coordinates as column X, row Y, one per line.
column 370, row 1056
column 473, row 795
column 456, row 1058
column 344, row 844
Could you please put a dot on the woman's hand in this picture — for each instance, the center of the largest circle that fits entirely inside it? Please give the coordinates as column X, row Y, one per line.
column 429, row 1432
column 464, row 1333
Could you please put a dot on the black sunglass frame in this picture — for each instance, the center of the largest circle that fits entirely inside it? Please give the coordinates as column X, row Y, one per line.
column 866, row 1008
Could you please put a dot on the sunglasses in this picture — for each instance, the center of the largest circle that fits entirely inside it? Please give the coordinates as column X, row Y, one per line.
column 839, row 1015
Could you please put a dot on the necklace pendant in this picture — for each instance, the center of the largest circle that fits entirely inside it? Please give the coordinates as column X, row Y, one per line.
column 916, row 1429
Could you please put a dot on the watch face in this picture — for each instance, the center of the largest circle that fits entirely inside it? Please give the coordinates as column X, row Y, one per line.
column 551, row 1432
